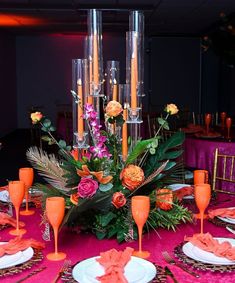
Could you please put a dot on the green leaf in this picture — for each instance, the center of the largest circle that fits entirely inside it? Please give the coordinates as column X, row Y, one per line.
column 44, row 129
column 166, row 126
column 120, row 236
column 105, row 187
column 100, row 235
column 52, row 129
column 140, row 147
column 47, row 123
column 161, row 121
column 106, row 218
column 152, row 150
column 62, row 144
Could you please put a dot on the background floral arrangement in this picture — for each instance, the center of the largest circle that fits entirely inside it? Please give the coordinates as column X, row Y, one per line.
column 97, row 185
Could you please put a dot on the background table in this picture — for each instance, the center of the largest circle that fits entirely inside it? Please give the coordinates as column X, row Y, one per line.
column 199, row 153
column 82, row 246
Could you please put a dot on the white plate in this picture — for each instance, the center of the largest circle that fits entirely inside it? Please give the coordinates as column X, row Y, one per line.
column 206, row 257
column 176, row 187
column 137, row 270
column 227, row 219
column 15, row 259
column 4, row 195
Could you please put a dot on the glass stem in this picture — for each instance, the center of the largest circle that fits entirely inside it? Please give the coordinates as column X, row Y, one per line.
column 27, row 199
column 56, row 239
column 17, row 218
column 140, row 229
column 202, row 216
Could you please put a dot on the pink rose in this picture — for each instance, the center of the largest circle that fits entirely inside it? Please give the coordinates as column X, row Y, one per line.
column 87, row 188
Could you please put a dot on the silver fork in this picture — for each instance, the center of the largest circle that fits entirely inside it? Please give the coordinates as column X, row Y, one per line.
column 171, row 261
column 63, row 268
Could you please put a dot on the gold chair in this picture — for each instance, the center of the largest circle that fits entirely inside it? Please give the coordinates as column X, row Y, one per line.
column 220, row 174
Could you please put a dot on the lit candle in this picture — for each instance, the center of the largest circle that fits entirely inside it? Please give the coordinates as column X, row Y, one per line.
column 124, row 136
column 115, row 90
column 80, row 109
column 95, row 61
column 134, row 74
column 89, row 97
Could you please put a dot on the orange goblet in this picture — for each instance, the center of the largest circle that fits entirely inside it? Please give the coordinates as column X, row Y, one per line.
column 223, row 117
column 55, row 207
column 200, row 177
column 16, row 193
column 202, row 194
column 140, row 206
column 207, row 122
column 26, row 175
column 228, row 125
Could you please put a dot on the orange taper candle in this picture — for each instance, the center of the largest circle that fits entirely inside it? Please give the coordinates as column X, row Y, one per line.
column 124, row 136
column 80, row 109
column 115, row 90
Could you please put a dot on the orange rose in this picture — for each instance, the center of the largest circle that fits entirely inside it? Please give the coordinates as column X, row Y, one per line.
column 172, row 109
column 164, row 198
column 74, row 198
column 132, row 176
column 118, row 200
column 113, row 109
column 36, row 117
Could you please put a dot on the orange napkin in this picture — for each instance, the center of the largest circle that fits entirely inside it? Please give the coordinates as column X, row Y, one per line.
column 114, row 262
column 207, row 243
column 185, row 191
column 223, row 212
column 7, row 219
column 17, row 244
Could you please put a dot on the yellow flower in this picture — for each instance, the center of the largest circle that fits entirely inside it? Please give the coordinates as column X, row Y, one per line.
column 113, row 109
column 172, row 109
column 36, row 117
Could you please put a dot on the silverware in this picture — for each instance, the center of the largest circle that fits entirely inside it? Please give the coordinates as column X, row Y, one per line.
column 36, row 271
column 171, row 261
column 63, row 268
column 169, row 272
column 230, row 229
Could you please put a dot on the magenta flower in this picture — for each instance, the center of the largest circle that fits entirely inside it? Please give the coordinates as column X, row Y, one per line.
column 87, row 188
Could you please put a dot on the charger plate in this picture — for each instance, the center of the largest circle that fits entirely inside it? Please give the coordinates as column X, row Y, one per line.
column 36, row 258
column 160, row 276
column 178, row 251
column 219, row 222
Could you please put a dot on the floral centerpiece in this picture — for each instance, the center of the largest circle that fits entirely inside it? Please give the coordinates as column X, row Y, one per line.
column 98, row 185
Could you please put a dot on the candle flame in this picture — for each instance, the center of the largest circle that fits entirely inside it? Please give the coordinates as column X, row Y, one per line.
column 79, row 82
column 114, row 81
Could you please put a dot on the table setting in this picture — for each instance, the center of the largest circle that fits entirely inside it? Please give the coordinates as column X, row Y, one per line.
column 112, row 207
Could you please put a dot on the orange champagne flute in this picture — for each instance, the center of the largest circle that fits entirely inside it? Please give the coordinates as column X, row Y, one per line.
column 16, row 193
column 223, row 117
column 140, row 207
column 55, row 207
column 228, row 125
column 26, row 175
column 207, row 122
column 202, row 193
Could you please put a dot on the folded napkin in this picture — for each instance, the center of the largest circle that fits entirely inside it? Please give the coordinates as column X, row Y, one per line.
column 7, row 219
column 183, row 192
column 4, row 188
column 114, row 262
column 17, row 244
column 207, row 243
column 223, row 212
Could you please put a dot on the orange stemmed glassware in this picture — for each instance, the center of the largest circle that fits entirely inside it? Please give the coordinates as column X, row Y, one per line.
column 140, row 207
column 228, row 125
column 26, row 175
column 200, row 177
column 55, row 207
column 16, row 193
column 223, row 117
column 202, row 193
column 207, row 122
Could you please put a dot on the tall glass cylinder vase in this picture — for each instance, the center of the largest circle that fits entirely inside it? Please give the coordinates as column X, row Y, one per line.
column 78, row 87
column 112, row 81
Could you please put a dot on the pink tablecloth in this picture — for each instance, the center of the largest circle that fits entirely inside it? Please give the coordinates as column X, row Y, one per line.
column 199, row 153
column 82, row 246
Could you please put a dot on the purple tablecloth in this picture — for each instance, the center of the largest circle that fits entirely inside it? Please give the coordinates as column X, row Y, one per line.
column 82, row 246
column 199, row 153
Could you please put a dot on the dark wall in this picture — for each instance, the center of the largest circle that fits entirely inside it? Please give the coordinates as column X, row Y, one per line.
column 44, row 70
column 8, row 102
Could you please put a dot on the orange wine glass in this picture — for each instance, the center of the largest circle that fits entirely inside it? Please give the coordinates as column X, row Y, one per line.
column 26, row 175
column 200, row 177
column 55, row 207
column 202, row 193
column 228, row 125
column 223, row 116
column 207, row 122
column 16, row 193
column 140, row 207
